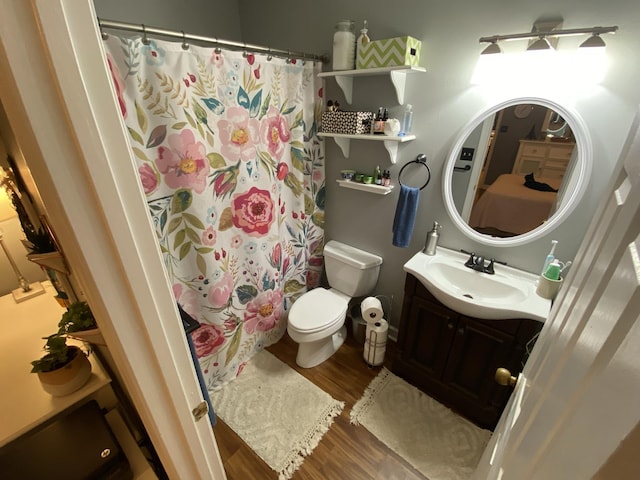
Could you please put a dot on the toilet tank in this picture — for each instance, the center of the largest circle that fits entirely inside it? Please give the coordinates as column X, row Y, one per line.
column 350, row 270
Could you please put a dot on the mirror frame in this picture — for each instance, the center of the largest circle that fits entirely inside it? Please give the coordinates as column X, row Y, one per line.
column 582, row 171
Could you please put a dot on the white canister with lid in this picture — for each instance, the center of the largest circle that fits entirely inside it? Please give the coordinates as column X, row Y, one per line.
column 344, row 46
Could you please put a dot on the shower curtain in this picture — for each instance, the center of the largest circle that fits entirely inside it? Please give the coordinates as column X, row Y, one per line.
column 233, row 171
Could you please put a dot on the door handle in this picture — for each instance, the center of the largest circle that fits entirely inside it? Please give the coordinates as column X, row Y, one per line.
column 504, row 377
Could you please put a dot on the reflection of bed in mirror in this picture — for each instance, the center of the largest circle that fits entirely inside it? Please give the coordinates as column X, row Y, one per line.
column 509, row 208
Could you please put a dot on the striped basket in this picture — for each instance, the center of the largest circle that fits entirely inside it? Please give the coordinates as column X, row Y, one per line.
column 389, row 52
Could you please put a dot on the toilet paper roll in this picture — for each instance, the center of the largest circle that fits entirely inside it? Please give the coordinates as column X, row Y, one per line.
column 371, row 309
column 373, row 354
column 376, row 332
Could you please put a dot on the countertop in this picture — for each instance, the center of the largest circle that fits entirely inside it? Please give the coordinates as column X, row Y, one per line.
column 23, row 402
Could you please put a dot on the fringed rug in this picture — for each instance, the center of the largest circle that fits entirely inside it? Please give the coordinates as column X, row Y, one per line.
column 433, row 439
column 279, row 413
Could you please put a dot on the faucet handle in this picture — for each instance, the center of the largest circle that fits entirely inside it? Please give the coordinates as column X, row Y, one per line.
column 471, row 260
column 490, row 270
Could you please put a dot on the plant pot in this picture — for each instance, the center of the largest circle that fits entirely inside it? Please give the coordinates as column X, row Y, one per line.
column 67, row 379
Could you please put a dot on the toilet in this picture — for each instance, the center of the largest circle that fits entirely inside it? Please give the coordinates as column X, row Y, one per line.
column 316, row 319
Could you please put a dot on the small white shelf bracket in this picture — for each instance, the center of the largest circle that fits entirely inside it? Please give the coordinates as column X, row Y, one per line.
column 392, row 148
column 346, row 84
column 344, row 144
column 399, row 80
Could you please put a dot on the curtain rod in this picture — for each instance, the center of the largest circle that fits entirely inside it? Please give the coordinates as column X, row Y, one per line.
column 144, row 29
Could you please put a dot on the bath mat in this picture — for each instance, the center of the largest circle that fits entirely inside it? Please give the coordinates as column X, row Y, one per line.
column 280, row 414
column 433, row 439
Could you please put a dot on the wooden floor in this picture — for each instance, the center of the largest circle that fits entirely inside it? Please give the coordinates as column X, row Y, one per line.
column 346, row 452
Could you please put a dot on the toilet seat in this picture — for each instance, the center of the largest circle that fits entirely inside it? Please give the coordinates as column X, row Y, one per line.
column 317, row 310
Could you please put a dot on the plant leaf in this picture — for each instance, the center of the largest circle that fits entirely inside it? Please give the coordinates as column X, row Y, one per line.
column 293, row 286
column 179, row 239
column 243, row 98
column 202, row 265
column 181, row 200
column 254, row 109
column 157, row 136
column 216, row 160
column 193, row 220
column 226, row 220
column 215, row 105
column 184, row 250
column 140, row 154
column 135, row 135
column 234, row 345
column 193, row 236
column 246, row 293
column 174, row 223
column 142, row 117
column 179, row 125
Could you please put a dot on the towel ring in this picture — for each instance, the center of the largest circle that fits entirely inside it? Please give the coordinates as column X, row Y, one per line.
column 420, row 160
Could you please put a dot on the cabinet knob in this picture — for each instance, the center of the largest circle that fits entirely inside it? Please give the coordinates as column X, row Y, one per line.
column 450, row 325
column 504, row 377
column 461, row 331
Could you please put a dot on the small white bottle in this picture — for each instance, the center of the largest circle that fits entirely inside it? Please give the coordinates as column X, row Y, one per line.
column 407, row 121
column 363, row 40
column 344, row 46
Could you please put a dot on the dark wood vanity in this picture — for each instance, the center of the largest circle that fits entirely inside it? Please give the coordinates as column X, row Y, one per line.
column 453, row 357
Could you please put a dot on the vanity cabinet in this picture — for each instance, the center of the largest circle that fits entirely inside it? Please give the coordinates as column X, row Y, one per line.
column 453, row 358
column 543, row 159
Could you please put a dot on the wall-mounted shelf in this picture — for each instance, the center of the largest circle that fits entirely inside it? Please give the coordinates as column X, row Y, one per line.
column 398, row 75
column 366, row 187
column 390, row 143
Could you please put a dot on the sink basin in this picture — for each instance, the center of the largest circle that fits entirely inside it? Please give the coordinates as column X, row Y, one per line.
column 509, row 293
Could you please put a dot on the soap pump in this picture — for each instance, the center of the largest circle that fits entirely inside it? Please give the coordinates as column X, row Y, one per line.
column 432, row 240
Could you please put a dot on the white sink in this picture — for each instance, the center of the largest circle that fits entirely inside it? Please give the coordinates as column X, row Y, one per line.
column 509, row 293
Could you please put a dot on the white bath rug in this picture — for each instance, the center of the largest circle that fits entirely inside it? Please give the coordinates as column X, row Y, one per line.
column 280, row 414
column 433, row 439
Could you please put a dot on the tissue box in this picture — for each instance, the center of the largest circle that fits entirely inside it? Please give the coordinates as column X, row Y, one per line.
column 390, row 52
column 351, row 123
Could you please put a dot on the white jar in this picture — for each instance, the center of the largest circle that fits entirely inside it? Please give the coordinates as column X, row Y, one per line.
column 344, row 46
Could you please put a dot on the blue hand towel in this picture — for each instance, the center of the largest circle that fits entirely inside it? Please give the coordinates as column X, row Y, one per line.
column 405, row 215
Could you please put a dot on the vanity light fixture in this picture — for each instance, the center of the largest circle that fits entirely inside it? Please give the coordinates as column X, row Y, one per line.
column 541, row 44
column 543, row 36
column 594, row 41
column 492, row 48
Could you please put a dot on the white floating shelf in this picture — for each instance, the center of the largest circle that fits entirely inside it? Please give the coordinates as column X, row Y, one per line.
column 367, row 187
column 344, row 78
column 390, row 143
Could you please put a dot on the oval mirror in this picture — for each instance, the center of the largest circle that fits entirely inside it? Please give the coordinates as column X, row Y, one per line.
column 517, row 171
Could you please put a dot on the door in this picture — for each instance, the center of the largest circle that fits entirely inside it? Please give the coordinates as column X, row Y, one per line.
column 61, row 107
column 578, row 396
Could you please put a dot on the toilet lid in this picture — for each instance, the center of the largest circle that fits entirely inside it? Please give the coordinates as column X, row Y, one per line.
column 317, row 309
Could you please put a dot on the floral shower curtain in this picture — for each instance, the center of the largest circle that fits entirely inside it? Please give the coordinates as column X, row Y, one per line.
column 233, row 170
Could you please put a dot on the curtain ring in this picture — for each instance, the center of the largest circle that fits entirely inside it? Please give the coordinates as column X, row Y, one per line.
column 288, row 56
column 218, row 50
column 244, row 50
column 185, row 45
column 269, row 56
column 103, row 34
column 145, row 39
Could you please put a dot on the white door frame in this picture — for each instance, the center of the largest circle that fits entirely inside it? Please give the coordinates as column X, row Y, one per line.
column 53, row 87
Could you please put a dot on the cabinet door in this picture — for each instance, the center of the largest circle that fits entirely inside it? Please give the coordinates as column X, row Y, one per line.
column 429, row 336
column 477, row 351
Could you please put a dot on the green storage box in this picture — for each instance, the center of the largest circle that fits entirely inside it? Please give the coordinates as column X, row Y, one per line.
column 390, row 52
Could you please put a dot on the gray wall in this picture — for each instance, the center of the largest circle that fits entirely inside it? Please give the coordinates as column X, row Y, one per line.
column 444, row 101
column 216, row 18
column 443, row 98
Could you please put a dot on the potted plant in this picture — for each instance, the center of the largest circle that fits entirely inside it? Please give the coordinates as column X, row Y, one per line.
column 63, row 369
column 78, row 322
